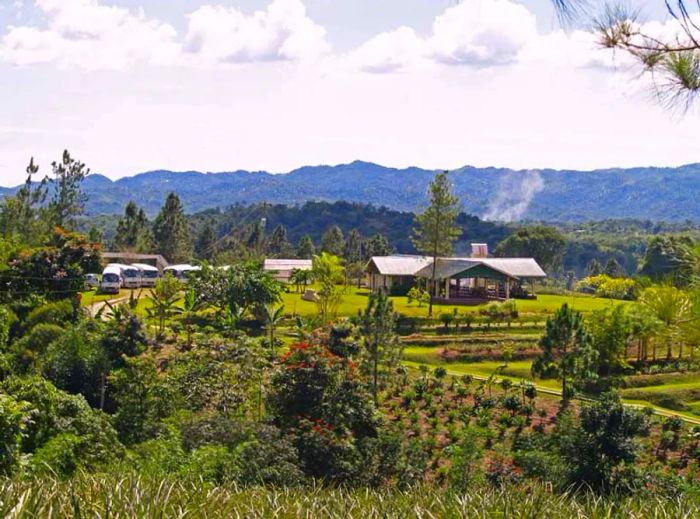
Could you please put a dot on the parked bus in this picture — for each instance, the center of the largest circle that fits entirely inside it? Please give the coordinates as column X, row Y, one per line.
column 149, row 274
column 180, row 272
column 111, row 280
column 131, row 276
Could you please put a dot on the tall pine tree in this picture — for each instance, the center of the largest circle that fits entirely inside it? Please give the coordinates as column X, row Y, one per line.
column 205, row 248
column 306, row 248
column 68, row 200
column 171, row 231
column 353, row 247
column 436, row 229
column 333, row 241
column 278, row 245
column 133, row 231
column 567, row 352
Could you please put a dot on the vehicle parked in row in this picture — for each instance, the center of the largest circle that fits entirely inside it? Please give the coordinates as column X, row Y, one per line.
column 92, row 280
column 149, row 274
column 112, row 280
column 131, row 276
column 180, row 272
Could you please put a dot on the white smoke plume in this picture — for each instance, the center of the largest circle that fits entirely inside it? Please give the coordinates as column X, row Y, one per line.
column 515, row 192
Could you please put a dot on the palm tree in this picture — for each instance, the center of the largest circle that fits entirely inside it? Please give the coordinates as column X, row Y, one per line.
column 300, row 277
column 644, row 327
column 670, row 305
column 273, row 316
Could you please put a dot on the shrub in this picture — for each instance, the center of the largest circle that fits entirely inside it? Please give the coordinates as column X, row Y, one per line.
column 606, row 286
column 59, row 456
column 213, row 463
column 14, row 417
column 546, row 466
column 58, row 313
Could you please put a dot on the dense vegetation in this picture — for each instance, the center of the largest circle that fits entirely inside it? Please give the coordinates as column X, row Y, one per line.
column 228, row 394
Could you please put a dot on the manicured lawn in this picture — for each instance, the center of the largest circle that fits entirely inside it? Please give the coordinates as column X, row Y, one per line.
column 92, row 296
column 356, row 299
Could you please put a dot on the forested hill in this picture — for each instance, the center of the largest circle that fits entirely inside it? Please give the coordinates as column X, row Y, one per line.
column 668, row 194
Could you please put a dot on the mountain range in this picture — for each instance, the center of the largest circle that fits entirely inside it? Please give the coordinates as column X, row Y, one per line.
column 647, row 193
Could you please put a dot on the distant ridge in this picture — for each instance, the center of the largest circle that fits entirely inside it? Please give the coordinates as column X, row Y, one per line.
column 647, row 193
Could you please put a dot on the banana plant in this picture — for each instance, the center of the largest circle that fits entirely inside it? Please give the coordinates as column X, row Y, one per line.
column 273, row 316
column 192, row 305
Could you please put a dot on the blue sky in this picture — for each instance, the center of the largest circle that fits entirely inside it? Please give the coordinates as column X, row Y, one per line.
column 220, row 85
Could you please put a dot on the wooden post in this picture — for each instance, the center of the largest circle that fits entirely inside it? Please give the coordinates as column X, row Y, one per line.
column 447, row 288
column 507, row 289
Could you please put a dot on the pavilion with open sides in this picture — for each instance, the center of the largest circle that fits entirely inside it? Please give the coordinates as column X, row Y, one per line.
column 459, row 280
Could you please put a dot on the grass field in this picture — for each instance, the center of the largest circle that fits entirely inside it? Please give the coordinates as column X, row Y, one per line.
column 90, row 297
column 356, row 299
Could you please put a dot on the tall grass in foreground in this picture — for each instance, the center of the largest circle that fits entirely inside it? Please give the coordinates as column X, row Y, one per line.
column 102, row 497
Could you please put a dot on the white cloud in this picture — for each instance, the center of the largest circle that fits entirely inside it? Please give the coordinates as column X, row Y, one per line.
column 87, row 34
column 479, row 86
column 283, row 31
column 481, row 32
column 93, row 35
column 389, row 51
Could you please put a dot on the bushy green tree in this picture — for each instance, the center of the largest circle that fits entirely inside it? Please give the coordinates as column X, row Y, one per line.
column 377, row 245
column 13, row 419
column 77, row 363
column 55, row 271
column 318, row 398
column 143, row 400
column 606, row 439
column 250, row 288
column 545, row 244
column 55, row 413
column 670, row 257
column 610, row 331
column 567, row 351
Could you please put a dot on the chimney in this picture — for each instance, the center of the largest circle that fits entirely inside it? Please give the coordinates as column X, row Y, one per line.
column 480, row 250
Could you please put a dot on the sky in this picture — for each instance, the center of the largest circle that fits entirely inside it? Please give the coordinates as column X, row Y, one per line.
column 219, row 85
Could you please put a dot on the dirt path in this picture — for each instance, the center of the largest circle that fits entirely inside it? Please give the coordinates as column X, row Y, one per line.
column 94, row 308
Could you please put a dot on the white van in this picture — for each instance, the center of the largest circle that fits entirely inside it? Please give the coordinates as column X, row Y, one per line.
column 131, row 276
column 149, row 274
column 180, row 272
column 111, row 280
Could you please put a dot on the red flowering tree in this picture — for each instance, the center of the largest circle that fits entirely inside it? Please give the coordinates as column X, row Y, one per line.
column 318, row 399
column 56, row 271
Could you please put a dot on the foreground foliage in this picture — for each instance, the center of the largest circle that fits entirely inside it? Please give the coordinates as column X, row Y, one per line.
column 102, row 496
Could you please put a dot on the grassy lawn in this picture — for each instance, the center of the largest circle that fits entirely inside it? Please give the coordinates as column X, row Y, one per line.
column 90, row 297
column 356, row 299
